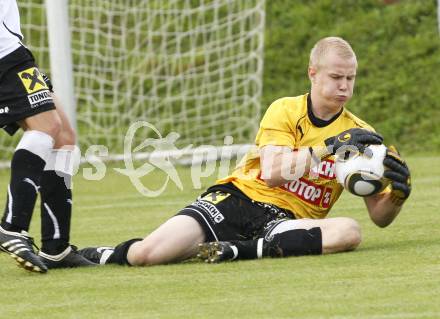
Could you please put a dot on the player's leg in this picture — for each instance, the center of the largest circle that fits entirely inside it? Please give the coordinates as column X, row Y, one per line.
column 215, row 215
column 27, row 166
column 55, row 191
column 28, row 162
column 290, row 238
column 30, row 105
column 175, row 240
column 338, row 234
column 25, row 97
column 56, row 199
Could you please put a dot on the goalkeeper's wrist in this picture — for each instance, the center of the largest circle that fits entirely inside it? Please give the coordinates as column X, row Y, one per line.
column 319, row 153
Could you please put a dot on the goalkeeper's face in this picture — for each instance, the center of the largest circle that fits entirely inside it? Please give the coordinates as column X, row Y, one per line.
column 333, row 79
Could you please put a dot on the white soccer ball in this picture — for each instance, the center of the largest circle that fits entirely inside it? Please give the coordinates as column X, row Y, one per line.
column 361, row 175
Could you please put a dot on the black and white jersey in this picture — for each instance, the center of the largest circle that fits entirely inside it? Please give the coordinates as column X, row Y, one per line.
column 10, row 32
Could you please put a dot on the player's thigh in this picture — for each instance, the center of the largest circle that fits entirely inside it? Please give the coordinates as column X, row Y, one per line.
column 55, row 123
column 67, row 136
column 48, row 122
column 177, row 239
column 338, row 233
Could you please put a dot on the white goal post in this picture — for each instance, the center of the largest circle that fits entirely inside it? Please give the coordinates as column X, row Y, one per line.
column 193, row 67
column 60, row 51
column 438, row 15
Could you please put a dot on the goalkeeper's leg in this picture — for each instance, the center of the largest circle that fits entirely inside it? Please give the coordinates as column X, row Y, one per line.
column 289, row 238
column 175, row 240
column 215, row 215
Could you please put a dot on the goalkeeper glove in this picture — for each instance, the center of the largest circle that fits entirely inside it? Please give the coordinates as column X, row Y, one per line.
column 355, row 139
column 398, row 173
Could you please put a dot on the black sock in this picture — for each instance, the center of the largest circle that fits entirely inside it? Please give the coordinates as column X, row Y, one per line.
column 26, row 171
column 246, row 249
column 296, row 242
column 119, row 256
column 56, row 212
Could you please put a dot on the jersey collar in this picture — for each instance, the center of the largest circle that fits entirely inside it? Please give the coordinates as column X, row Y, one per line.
column 317, row 121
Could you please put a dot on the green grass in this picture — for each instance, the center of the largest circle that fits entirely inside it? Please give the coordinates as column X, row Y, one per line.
column 395, row 273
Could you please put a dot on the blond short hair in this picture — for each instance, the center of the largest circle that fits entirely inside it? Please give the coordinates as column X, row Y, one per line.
column 325, row 45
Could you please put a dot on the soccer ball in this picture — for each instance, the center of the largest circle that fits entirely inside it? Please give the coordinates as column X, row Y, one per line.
column 361, row 175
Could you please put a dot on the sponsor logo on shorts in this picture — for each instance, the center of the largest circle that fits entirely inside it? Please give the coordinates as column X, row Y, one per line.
column 310, row 192
column 39, row 98
column 215, row 197
column 213, row 212
column 4, row 110
column 32, row 80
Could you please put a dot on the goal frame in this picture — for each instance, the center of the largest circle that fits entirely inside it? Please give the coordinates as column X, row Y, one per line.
column 61, row 65
column 60, row 51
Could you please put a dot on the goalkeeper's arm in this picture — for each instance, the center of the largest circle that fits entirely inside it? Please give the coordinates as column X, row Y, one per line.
column 384, row 207
column 280, row 164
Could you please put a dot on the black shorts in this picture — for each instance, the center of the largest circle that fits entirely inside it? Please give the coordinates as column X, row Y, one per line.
column 23, row 91
column 225, row 213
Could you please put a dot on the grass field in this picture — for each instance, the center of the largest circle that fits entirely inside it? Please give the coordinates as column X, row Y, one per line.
column 395, row 273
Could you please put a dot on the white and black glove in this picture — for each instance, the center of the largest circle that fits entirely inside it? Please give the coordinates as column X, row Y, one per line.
column 352, row 140
column 398, row 173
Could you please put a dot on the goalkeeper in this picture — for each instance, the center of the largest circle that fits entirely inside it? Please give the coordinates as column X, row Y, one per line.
column 40, row 158
column 276, row 203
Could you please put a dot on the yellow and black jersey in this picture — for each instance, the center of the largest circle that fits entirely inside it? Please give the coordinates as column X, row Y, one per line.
column 290, row 122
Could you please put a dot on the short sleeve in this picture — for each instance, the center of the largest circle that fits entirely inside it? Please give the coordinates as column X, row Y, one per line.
column 277, row 126
column 4, row 7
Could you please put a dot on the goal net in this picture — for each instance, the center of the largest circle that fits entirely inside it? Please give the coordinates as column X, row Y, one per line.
column 193, row 67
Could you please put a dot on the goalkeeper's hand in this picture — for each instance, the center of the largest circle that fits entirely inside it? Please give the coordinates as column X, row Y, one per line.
column 398, row 173
column 355, row 139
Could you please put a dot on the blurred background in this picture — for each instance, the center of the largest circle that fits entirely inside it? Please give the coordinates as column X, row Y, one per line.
column 210, row 68
column 398, row 49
